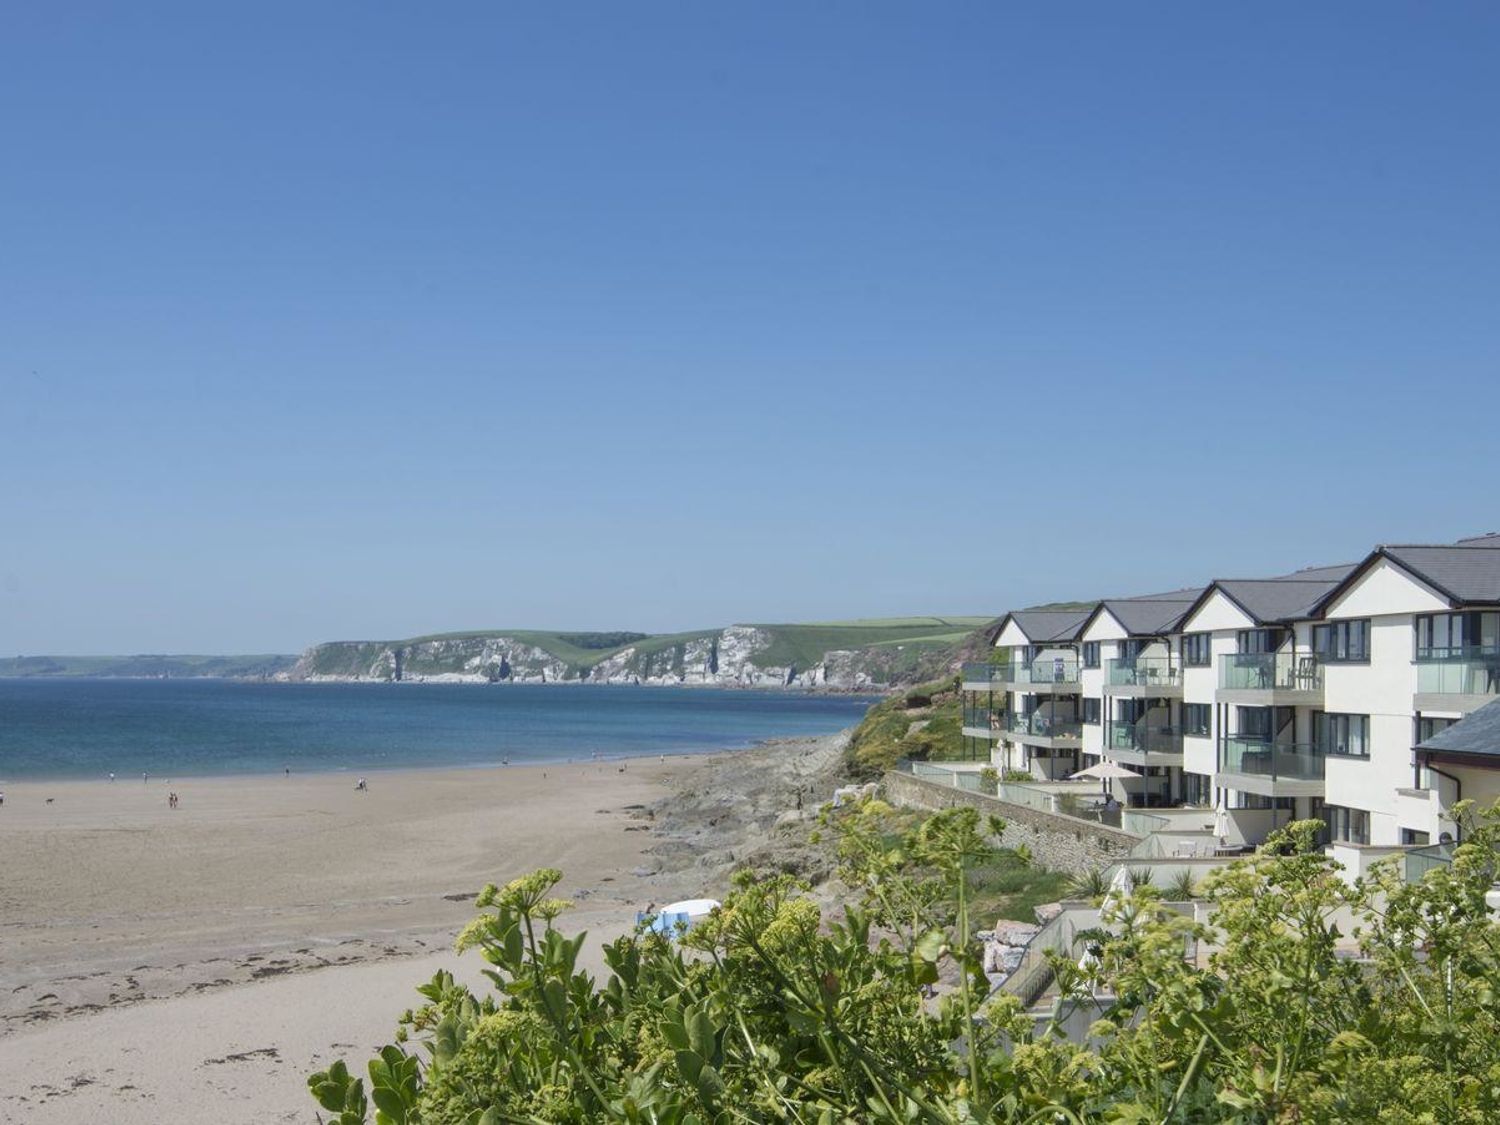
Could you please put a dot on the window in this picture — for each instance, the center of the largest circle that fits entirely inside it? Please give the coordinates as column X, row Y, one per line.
column 1253, row 722
column 1130, row 649
column 1195, row 719
column 1197, row 789
column 1426, row 728
column 1342, row 642
column 1196, row 650
column 1256, row 801
column 1443, row 636
column 1342, row 736
column 1348, row 826
column 1091, row 654
column 1091, row 711
column 1260, row 640
column 1411, row 837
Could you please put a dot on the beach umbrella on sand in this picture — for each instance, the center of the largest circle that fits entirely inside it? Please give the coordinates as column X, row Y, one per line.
column 1104, row 772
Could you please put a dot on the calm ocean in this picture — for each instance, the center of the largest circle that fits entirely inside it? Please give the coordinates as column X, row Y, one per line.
column 89, row 728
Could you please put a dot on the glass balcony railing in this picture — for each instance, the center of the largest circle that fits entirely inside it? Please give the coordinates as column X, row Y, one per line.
column 984, row 718
column 1419, row 861
column 984, row 673
column 1043, row 725
column 1284, row 761
column 1271, row 671
column 1459, row 671
column 1144, row 671
column 1045, row 670
column 1143, row 739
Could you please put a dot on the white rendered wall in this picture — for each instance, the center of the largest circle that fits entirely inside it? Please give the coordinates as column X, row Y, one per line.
column 1382, row 689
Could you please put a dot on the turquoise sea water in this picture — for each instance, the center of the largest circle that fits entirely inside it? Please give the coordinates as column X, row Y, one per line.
column 89, row 728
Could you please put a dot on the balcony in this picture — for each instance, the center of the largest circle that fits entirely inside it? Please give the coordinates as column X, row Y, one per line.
column 1457, row 679
column 1045, row 675
column 1269, row 678
column 983, row 722
column 1042, row 729
column 1272, row 769
column 1137, row 744
column 1141, row 676
column 984, row 677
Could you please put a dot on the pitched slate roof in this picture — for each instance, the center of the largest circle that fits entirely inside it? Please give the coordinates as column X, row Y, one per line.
column 1488, row 539
column 1149, row 615
column 1041, row 625
column 1270, row 600
column 1466, row 573
column 1476, row 733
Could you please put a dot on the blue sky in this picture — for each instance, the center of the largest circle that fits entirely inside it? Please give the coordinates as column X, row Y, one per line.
column 353, row 320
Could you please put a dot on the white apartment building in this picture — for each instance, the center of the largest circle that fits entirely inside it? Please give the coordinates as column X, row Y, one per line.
column 1320, row 694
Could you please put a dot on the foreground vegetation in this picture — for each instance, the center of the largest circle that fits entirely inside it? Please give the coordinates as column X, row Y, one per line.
column 770, row 1012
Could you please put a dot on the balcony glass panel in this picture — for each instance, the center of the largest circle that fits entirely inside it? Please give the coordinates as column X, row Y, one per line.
column 1278, row 761
column 1145, row 671
column 1044, row 725
column 984, row 673
column 1267, row 671
column 1124, row 735
column 985, row 718
column 1043, row 670
column 1470, row 672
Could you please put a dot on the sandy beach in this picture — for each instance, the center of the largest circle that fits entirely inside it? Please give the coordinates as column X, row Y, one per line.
column 157, row 962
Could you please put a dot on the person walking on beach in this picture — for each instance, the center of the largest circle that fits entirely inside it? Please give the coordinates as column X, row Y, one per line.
column 361, row 786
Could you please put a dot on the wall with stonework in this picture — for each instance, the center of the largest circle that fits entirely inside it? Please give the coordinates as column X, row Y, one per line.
column 1057, row 842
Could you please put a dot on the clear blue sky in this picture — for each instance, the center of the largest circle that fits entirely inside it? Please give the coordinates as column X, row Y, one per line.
column 336, row 319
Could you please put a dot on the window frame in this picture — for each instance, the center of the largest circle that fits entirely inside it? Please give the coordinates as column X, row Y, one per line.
column 1190, row 655
column 1189, row 728
column 1341, row 634
column 1328, row 724
column 1089, row 658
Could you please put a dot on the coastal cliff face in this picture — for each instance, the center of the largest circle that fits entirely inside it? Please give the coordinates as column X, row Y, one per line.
column 735, row 656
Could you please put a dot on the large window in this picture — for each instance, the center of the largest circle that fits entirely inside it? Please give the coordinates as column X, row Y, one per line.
column 1243, row 800
column 1260, row 640
column 1343, row 736
column 1197, row 789
column 1196, row 649
column 1195, row 719
column 1443, row 636
column 1253, row 722
column 1348, row 826
column 1342, row 642
column 1090, row 710
column 1091, row 654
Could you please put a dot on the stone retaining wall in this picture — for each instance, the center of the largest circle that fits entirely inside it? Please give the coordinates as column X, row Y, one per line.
column 1057, row 842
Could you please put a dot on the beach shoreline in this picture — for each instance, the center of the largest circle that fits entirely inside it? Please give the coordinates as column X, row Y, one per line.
column 119, row 915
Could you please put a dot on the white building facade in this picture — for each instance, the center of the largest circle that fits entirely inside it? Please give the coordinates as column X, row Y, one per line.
column 1305, row 696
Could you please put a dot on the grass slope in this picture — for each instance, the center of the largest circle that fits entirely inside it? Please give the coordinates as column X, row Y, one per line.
column 803, row 646
column 924, row 722
column 153, row 665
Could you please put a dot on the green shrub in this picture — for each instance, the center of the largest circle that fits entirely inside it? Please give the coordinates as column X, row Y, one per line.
column 767, row 1012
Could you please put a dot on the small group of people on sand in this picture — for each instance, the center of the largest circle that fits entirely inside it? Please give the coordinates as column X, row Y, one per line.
column 172, row 800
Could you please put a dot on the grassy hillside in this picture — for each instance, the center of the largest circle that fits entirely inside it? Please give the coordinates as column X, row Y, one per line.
column 805, row 645
column 923, row 722
column 145, row 665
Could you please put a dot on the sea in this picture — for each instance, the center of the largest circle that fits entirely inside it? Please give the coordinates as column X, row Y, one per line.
column 82, row 728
